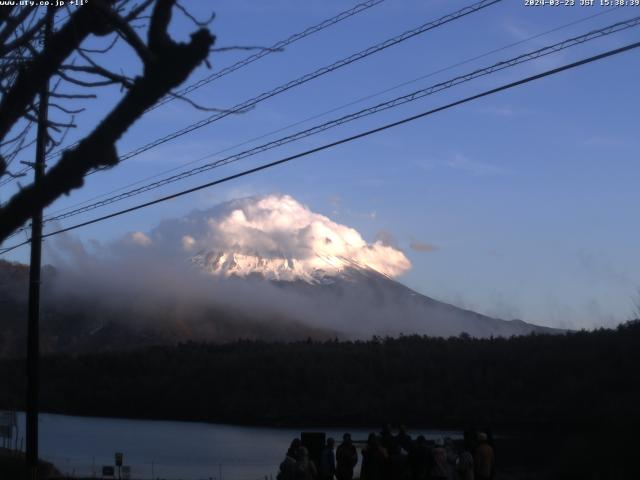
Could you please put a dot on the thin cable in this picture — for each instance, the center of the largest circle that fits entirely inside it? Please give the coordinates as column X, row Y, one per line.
column 248, row 104
column 10, row 179
column 361, row 7
column 351, row 138
column 335, row 109
column 273, row 48
column 413, row 96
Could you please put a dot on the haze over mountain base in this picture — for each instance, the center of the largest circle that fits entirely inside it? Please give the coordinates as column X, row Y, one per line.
column 257, row 268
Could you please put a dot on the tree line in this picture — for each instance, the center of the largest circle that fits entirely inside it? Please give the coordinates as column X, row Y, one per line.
column 539, row 380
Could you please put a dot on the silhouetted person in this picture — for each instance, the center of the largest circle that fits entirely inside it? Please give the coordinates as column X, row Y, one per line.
column 387, row 440
column 374, row 459
column 398, row 447
column 440, row 469
column 296, row 443
column 305, row 468
column 464, row 463
column 403, row 439
column 288, row 466
column 418, row 459
column 452, row 455
column 346, row 458
column 483, row 459
column 328, row 461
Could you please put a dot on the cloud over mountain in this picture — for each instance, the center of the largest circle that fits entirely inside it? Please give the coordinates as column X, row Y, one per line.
column 257, row 267
column 273, row 235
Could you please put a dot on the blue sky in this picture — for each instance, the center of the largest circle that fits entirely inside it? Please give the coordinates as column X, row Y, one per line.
column 525, row 197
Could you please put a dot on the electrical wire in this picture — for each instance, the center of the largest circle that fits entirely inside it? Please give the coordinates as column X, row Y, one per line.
column 335, row 109
column 278, row 46
column 393, row 103
column 315, row 74
column 351, row 138
column 248, row 104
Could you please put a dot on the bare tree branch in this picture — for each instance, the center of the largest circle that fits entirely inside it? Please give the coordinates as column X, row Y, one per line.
column 12, row 23
column 73, row 96
column 24, row 38
column 52, row 124
column 96, row 69
column 66, row 110
column 5, row 13
column 168, row 65
column 130, row 36
column 31, row 79
column 135, row 13
column 197, row 106
column 83, row 83
column 101, row 50
column 196, row 22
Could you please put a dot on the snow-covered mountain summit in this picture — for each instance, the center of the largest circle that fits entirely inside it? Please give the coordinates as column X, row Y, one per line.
column 322, row 269
column 260, row 267
column 330, row 276
column 272, row 236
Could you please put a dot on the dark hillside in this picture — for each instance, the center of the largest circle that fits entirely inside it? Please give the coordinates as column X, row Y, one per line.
column 545, row 381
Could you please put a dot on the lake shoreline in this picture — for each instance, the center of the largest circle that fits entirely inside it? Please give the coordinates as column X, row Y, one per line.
column 501, row 428
column 82, row 444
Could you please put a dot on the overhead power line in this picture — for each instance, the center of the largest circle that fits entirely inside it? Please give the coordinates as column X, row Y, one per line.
column 248, row 104
column 351, row 138
column 278, row 46
column 335, row 109
column 10, row 178
column 616, row 27
column 393, row 103
column 361, row 7
column 475, row 7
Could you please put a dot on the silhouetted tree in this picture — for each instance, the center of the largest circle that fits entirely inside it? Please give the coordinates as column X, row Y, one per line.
column 541, row 381
column 26, row 63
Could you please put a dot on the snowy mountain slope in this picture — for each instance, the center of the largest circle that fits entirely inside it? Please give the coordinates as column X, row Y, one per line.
column 350, row 294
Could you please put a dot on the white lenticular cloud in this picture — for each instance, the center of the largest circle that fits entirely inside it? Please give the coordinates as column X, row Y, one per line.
column 273, row 235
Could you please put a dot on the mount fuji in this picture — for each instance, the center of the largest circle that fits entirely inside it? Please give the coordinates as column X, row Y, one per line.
column 259, row 268
column 349, row 293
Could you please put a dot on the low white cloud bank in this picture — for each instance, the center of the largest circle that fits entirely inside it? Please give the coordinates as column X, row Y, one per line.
column 192, row 273
column 202, row 277
column 273, row 235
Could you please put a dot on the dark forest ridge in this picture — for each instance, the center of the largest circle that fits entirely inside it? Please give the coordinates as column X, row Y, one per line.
column 542, row 381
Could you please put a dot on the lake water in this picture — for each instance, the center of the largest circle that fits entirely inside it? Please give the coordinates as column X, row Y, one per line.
column 172, row 450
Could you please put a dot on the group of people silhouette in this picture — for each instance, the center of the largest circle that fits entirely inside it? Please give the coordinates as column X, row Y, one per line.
column 386, row 456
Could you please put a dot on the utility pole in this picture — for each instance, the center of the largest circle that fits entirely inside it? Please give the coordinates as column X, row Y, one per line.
column 33, row 327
